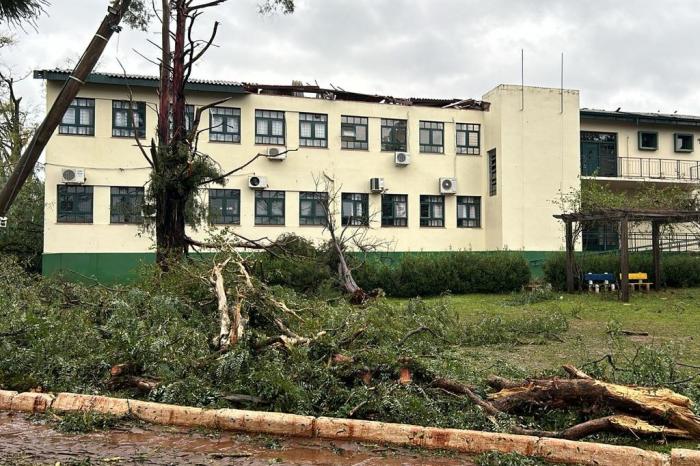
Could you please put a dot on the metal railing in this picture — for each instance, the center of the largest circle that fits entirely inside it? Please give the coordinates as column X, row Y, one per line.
column 640, row 242
column 641, row 167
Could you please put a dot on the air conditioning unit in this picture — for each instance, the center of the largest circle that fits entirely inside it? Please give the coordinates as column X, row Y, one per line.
column 73, row 175
column 448, row 185
column 257, row 182
column 276, row 153
column 401, row 159
column 376, row 185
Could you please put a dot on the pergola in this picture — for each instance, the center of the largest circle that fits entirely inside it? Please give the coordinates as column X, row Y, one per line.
column 657, row 218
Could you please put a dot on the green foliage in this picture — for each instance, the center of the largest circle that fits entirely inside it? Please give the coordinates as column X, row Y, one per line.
column 494, row 458
column 16, row 11
column 24, row 235
column 83, row 422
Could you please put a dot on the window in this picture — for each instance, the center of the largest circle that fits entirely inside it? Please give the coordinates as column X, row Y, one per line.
column 74, row 204
column 123, row 120
column 648, row 140
column 432, row 211
column 469, row 211
column 189, row 118
column 353, row 132
column 468, row 138
column 683, row 142
column 79, row 118
column 394, row 135
column 225, row 206
column 269, row 207
column 269, row 127
column 493, row 180
column 225, row 124
column 313, row 130
column 312, row 208
column 354, row 209
column 394, row 210
column 431, row 133
column 126, row 204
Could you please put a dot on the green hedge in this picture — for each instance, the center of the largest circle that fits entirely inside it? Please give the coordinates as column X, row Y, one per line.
column 457, row 272
column 679, row 270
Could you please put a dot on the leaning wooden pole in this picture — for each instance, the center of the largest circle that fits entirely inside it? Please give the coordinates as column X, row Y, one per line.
column 93, row 52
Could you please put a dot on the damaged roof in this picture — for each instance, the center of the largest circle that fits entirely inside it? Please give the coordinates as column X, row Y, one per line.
column 640, row 118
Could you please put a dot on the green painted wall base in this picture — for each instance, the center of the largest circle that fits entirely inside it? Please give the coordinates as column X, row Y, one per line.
column 123, row 267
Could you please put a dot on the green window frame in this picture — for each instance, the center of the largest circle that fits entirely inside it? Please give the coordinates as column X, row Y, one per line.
column 269, row 207
column 122, row 122
column 313, row 208
column 394, row 210
column 313, row 130
column 354, row 132
column 269, row 127
column 394, row 135
column 683, row 142
column 79, row 119
column 648, row 140
column 225, row 206
column 493, row 173
column 469, row 211
column 354, row 209
column 432, row 137
column 126, row 204
column 74, row 203
column 432, row 211
column 189, row 118
column 224, row 124
column 468, row 138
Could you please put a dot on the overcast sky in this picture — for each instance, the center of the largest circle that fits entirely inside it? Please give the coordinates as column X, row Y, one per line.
column 634, row 54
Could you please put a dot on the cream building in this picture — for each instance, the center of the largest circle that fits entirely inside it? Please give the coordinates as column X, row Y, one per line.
column 454, row 174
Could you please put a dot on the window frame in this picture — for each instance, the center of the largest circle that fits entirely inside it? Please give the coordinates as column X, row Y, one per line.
column 393, row 145
column 357, row 199
column 223, row 218
column 430, row 200
column 269, row 196
column 492, row 167
column 390, row 201
column 690, row 136
column 76, row 107
column 427, row 125
column 133, row 192
column 640, row 135
column 467, row 129
column 235, row 114
column 319, row 215
column 352, row 142
column 270, row 116
column 468, row 221
column 309, row 141
column 75, row 216
column 129, row 128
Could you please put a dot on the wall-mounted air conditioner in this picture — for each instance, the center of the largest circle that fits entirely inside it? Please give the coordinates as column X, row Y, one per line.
column 448, row 185
column 401, row 159
column 376, row 185
column 73, row 175
column 276, row 153
column 257, row 182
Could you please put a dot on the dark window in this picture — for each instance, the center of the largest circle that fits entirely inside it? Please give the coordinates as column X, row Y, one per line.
column 469, row 211
column 353, row 132
column 74, row 204
column 394, row 210
column 269, row 207
column 648, row 140
column 432, row 211
column 468, row 138
column 683, row 142
column 225, row 206
column 431, row 136
column 598, row 153
column 355, row 209
column 126, row 204
column 313, row 130
column 269, row 127
column 394, row 134
column 493, row 180
column 189, row 118
column 79, row 118
column 312, row 208
column 123, row 120
column 225, row 124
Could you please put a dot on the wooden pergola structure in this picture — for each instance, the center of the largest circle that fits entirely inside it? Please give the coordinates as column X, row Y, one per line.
column 624, row 217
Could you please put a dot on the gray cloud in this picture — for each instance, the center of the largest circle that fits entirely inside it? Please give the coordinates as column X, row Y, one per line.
column 637, row 54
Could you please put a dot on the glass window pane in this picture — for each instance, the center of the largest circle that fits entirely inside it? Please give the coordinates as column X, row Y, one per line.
column 305, row 129
column 261, row 127
column 277, row 128
column 424, row 136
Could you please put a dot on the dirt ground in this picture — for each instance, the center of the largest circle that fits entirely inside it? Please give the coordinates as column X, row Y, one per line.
column 25, row 442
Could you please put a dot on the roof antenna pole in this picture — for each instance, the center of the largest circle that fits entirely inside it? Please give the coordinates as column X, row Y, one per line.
column 522, row 79
column 562, row 82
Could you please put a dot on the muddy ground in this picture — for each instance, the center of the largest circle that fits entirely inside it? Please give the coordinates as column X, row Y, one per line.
column 26, row 441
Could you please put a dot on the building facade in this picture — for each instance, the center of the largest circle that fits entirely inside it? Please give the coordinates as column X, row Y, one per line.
column 449, row 175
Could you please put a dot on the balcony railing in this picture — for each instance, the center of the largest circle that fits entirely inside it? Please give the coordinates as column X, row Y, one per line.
column 639, row 242
column 641, row 167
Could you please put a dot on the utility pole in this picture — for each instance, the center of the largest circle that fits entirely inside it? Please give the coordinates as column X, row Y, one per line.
column 93, row 52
